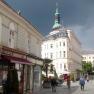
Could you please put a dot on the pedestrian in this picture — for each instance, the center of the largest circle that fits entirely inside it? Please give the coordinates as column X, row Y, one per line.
column 87, row 78
column 53, row 84
column 82, row 83
column 68, row 81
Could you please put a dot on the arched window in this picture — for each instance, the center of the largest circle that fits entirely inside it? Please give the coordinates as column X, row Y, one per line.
column 12, row 35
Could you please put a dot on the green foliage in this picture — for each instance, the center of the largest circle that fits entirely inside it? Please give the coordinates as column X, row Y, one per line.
column 55, row 74
column 46, row 65
column 43, row 77
column 51, row 68
column 87, row 67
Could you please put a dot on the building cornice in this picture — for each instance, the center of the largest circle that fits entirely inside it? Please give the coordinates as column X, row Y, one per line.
column 10, row 51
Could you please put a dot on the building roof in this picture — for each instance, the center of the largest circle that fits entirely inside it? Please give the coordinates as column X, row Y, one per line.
column 84, row 52
column 60, row 34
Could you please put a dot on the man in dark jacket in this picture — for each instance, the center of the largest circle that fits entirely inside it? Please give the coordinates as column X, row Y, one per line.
column 53, row 84
column 82, row 83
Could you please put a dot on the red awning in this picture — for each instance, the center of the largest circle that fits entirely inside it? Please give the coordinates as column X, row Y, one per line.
column 16, row 60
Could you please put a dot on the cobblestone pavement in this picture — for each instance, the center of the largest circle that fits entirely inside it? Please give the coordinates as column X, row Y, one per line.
column 75, row 89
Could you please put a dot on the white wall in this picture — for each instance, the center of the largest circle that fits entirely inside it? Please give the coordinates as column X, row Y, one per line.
column 72, row 47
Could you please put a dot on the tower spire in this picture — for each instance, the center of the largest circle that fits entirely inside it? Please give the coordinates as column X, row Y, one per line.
column 57, row 19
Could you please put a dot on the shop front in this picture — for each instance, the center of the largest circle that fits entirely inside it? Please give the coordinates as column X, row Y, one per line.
column 15, row 73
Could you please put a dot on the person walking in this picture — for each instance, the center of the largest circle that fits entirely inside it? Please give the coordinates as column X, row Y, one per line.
column 53, row 84
column 87, row 78
column 68, row 81
column 82, row 83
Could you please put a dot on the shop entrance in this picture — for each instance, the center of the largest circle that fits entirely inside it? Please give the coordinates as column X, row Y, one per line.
column 11, row 77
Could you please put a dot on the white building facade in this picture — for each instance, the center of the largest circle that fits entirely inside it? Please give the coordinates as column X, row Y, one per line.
column 62, row 46
column 88, row 56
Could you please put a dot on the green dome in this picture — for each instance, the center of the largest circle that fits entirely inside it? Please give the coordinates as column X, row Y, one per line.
column 56, row 25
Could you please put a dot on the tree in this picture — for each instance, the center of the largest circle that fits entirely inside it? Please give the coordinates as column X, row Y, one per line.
column 87, row 67
column 46, row 65
column 51, row 68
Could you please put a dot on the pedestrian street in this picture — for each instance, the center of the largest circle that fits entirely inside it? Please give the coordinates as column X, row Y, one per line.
column 75, row 89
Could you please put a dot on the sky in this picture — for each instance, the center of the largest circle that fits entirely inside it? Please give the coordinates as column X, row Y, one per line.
column 77, row 15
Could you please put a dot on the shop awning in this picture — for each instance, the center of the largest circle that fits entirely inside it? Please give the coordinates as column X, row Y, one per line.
column 66, row 72
column 13, row 59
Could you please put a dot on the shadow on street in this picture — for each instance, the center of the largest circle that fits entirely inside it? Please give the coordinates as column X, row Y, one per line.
column 60, row 90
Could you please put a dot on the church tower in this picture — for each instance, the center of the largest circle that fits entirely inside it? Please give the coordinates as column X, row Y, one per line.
column 57, row 23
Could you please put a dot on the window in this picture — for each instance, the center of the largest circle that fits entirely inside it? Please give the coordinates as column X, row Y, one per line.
column 56, row 45
column 84, row 57
column 60, row 66
column 51, row 55
column 64, row 54
column 64, row 66
column 51, row 45
column 45, row 55
column 89, row 57
column 60, row 43
column 45, row 46
column 63, row 43
column 60, row 53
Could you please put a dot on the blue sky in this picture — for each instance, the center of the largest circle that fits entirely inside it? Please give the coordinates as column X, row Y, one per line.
column 75, row 14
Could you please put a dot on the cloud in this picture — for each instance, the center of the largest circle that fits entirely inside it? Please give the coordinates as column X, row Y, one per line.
column 85, row 34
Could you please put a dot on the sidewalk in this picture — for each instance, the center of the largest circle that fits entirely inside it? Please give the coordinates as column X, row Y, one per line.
column 75, row 89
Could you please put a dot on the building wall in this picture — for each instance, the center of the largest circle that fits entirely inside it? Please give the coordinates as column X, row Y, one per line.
column 75, row 51
column 26, row 37
column 65, row 52
column 88, row 58
column 17, row 33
